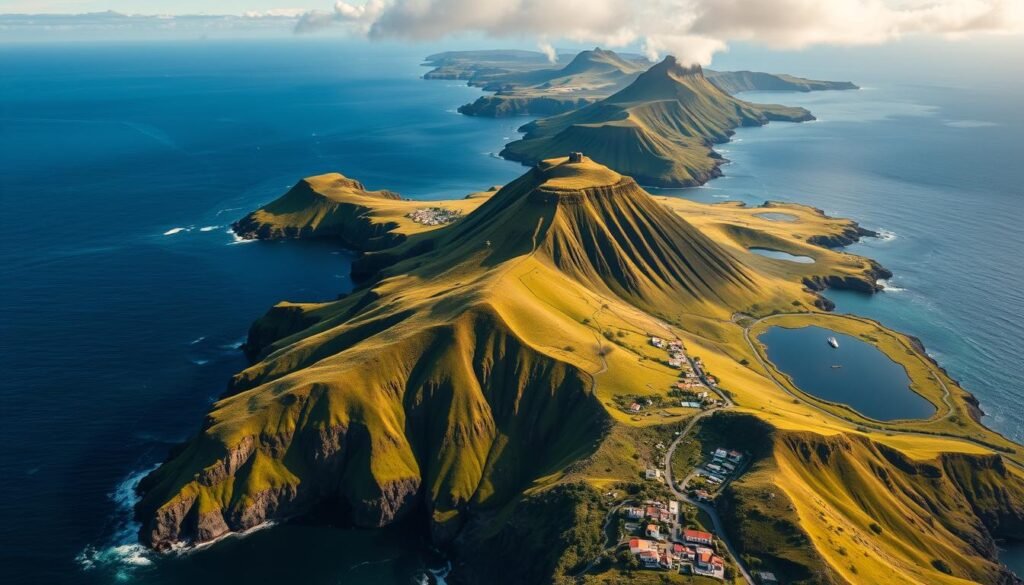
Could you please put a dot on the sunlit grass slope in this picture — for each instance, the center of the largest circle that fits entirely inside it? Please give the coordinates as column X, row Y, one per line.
column 659, row 129
column 473, row 380
column 334, row 206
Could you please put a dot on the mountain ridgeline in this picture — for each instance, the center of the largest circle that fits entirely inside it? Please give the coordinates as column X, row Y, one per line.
column 659, row 129
column 469, row 386
column 524, row 83
column 428, row 389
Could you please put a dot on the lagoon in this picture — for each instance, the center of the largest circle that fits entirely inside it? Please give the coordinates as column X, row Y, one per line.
column 867, row 380
column 780, row 255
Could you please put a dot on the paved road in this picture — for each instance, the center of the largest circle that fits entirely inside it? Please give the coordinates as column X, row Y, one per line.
column 706, row 508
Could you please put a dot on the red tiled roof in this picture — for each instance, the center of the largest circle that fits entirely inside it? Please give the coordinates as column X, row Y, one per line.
column 696, row 535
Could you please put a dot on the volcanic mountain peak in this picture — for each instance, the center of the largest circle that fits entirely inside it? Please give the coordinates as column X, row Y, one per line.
column 658, row 130
column 565, row 174
column 599, row 58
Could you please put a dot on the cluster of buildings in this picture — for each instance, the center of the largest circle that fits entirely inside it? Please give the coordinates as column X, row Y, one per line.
column 690, row 386
column 694, row 555
column 676, row 352
column 660, row 544
column 434, row 215
column 722, row 465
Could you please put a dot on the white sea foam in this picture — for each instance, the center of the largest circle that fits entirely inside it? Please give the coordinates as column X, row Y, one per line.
column 440, row 575
column 227, row 210
column 208, row 228
column 200, row 362
column 889, row 287
column 236, row 239
column 969, row 123
column 886, row 235
column 121, row 553
column 184, row 549
column 176, row 230
column 234, row 345
column 197, row 340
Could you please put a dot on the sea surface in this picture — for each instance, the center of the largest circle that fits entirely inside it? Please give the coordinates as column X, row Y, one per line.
column 937, row 171
column 123, row 298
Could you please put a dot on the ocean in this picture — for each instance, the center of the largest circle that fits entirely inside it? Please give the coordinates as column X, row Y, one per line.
column 123, row 298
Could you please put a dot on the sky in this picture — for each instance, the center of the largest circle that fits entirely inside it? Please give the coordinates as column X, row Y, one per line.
column 236, row 7
column 695, row 31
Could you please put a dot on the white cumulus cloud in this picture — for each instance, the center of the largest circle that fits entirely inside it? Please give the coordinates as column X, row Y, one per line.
column 693, row 30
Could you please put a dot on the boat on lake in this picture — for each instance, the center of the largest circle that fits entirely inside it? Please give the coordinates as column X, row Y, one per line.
column 833, row 342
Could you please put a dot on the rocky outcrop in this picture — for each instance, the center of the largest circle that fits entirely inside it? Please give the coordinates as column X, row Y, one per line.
column 850, row 235
column 867, row 282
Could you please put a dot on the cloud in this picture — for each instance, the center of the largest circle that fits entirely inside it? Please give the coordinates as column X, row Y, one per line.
column 693, row 30
column 357, row 17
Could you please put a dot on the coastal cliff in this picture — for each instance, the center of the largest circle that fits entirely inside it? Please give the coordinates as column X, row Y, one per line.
column 325, row 206
column 477, row 384
column 810, row 500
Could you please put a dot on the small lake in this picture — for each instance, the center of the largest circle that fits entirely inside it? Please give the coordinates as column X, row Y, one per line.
column 776, row 216
column 780, row 255
column 867, row 379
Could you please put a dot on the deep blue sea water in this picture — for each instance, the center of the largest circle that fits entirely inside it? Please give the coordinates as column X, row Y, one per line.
column 123, row 299
column 856, row 373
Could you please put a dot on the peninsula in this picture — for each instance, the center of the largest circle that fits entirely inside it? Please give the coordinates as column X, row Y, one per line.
column 526, row 83
column 551, row 382
column 660, row 129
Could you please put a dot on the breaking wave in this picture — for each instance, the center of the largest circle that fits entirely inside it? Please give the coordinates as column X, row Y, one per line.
column 121, row 554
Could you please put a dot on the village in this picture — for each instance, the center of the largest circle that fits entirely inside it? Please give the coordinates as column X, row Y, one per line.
column 690, row 391
column 671, row 532
column 434, row 215
column 659, row 537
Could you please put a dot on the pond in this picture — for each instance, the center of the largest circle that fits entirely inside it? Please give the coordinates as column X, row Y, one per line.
column 780, row 255
column 776, row 216
column 856, row 373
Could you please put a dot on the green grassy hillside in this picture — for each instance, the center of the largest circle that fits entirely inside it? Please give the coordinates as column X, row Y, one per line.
column 336, row 207
column 473, row 383
column 525, row 83
column 659, row 129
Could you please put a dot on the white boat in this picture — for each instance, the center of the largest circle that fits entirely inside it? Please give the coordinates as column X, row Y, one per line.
column 833, row 342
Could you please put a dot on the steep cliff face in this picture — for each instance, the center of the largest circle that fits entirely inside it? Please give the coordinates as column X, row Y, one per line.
column 448, row 419
column 846, row 509
column 659, row 129
column 325, row 206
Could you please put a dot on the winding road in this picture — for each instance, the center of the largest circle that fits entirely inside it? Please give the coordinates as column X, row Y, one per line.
column 680, row 493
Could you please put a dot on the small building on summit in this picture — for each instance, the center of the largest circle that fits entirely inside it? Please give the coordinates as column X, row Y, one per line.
column 575, row 157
